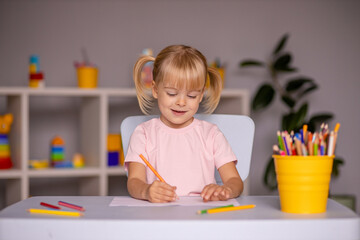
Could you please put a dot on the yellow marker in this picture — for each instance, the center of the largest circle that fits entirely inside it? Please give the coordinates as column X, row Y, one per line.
column 228, row 209
column 337, row 126
column 55, row 212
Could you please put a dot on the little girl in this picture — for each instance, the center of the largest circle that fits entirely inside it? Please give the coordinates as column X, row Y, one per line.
column 183, row 149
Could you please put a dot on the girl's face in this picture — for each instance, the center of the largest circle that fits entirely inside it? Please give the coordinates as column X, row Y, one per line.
column 177, row 106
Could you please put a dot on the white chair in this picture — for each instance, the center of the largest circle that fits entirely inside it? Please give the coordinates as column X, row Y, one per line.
column 238, row 130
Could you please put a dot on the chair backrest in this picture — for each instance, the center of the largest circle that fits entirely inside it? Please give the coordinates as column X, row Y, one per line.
column 238, row 129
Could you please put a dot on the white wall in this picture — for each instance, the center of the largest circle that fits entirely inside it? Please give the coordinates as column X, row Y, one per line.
column 324, row 38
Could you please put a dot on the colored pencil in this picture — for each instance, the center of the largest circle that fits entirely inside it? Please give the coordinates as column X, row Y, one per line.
column 70, row 205
column 337, row 126
column 55, row 212
column 151, row 168
column 286, row 145
column 281, row 145
column 205, row 210
column 298, row 147
column 49, row 205
column 305, row 127
column 310, row 144
column 303, row 148
column 336, row 129
column 331, row 144
column 306, row 143
column 228, row 209
column 316, row 144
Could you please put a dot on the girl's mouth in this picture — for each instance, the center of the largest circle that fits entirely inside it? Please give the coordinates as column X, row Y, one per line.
column 176, row 112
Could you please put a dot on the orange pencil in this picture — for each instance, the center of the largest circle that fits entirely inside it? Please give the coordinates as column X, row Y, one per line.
column 310, row 144
column 151, row 168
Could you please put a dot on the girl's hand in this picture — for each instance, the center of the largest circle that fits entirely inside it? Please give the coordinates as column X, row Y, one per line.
column 160, row 192
column 214, row 192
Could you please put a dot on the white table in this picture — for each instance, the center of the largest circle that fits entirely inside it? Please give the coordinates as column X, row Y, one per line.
column 102, row 222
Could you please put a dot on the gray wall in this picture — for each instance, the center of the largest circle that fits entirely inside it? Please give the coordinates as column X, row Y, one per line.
column 324, row 37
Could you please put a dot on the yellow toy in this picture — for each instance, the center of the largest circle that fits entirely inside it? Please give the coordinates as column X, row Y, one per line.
column 78, row 160
column 5, row 123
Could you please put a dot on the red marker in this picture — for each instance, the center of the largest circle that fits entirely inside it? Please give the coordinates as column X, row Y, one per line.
column 70, row 205
column 49, row 205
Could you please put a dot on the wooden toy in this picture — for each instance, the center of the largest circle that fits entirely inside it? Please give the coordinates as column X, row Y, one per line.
column 78, row 160
column 36, row 77
column 57, row 154
column 5, row 127
column 115, row 151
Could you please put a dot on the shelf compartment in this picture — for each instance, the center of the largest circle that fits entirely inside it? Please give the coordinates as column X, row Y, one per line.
column 12, row 190
column 16, row 105
column 65, row 186
column 75, row 119
column 117, row 186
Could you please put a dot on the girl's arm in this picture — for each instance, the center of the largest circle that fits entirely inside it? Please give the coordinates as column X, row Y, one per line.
column 232, row 185
column 155, row 192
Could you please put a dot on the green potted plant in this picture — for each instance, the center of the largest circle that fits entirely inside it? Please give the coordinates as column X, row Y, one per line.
column 292, row 90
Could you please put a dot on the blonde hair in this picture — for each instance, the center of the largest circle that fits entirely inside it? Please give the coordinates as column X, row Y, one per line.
column 184, row 67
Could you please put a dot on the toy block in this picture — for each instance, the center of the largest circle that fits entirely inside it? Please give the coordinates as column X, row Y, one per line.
column 5, row 163
column 113, row 142
column 113, row 158
column 4, row 154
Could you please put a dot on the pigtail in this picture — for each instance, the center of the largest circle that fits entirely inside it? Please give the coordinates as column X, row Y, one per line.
column 144, row 98
column 213, row 92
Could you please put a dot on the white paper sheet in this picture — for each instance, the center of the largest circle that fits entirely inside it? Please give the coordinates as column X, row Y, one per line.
column 124, row 201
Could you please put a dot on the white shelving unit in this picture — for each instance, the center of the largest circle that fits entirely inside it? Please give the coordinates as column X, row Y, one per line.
column 95, row 112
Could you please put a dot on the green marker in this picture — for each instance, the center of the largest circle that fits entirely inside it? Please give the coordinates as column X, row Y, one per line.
column 205, row 210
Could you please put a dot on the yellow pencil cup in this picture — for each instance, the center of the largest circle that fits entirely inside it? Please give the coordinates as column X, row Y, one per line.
column 303, row 182
column 87, row 77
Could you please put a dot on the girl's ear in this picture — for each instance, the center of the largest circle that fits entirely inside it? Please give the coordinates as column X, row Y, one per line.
column 154, row 90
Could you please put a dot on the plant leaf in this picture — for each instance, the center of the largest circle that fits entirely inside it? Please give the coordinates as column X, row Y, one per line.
column 263, row 97
column 296, row 83
column 288, row 101
column 317, row 119
column 321, row 117
column 251, row 63
column 286, row 121
column 300, row 116
column 308, row 90
column 282, row 63
column 294, row 121
column 281, row 44
column 338, row 162
column 270, row 175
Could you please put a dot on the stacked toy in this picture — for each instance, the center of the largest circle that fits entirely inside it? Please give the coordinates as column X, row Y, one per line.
column 5, row 126
column 36, row 77
column 58, row 153
column 115, row 151
column 146, row 73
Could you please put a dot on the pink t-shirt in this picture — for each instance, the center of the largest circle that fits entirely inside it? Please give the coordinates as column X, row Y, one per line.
column 185, row 157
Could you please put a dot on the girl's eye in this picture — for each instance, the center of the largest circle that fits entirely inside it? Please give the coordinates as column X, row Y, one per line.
column 171, row 94
column 190, row 96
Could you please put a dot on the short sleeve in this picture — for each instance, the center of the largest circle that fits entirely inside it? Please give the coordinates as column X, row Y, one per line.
column 222, row 150
column 136, row 147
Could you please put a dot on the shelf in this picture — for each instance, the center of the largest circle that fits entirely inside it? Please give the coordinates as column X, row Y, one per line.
column 116, row 171
column 84, row 117
column 64, row 172
column 10, row 174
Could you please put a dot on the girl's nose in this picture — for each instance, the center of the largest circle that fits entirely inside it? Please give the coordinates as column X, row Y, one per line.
column 181, row 101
